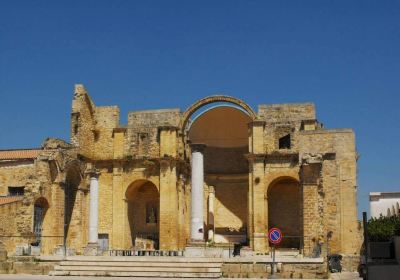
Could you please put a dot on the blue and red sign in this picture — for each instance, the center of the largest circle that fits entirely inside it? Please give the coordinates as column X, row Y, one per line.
column 275, row 235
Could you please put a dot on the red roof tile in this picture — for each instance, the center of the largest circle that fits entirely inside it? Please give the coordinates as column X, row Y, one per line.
column 19, row 154
column 10, row 199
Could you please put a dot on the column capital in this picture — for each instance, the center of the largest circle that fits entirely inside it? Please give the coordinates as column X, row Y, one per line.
column 197, row 147
column 256, row 123
column 92, row 172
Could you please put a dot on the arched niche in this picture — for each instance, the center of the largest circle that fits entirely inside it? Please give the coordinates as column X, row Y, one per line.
column 143, row 199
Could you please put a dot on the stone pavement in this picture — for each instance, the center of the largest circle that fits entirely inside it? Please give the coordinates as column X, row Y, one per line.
column 336, row 276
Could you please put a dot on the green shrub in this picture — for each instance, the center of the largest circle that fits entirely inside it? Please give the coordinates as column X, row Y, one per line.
column 383, row 228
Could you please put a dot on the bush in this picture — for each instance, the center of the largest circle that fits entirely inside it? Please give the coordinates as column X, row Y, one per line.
column 383, row 228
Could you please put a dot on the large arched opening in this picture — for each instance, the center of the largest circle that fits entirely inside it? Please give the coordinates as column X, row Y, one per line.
column 224, row 131
column 143, row 201
column 284, row 210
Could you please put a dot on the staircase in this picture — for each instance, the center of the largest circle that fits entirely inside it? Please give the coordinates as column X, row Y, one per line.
column 147, row 267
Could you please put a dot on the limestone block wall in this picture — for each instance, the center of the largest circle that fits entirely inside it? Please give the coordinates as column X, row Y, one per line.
column 15, row 174
column 105, row 199
column 82, row 121
column 9, row 225
column 38, row 180
column 106, row 119
column 230, row 208
column 143, row 133
column 282, row 120
column 337, row 205
column 287, row 112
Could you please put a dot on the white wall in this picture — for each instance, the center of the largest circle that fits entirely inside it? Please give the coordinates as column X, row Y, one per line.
column 380, row 203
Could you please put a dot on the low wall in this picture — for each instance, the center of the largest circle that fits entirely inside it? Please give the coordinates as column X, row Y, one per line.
column 26, row 265
column 284, row 270
column 350, row 263
column 304, row 271
column 245, row 270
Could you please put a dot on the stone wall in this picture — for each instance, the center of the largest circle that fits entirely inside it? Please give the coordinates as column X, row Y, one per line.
column 43, row 181
column 143, row 131
column 15, row 174
column 230, row 208
column 337, row 189
column 287, row 112
column 152, row 146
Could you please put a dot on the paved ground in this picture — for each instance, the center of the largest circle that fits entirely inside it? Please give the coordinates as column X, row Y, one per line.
column 336, row 276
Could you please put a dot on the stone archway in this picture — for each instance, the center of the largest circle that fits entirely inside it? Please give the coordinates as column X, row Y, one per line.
column 213, row 99
column 284, row 210
column 143, row 201
column 222, row 132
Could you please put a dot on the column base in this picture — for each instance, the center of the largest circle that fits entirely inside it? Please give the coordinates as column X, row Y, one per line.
column 92, row 249
column 260, row 243
column 195, row 248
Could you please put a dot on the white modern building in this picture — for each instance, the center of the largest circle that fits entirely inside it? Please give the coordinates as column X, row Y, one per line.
column 384, row 203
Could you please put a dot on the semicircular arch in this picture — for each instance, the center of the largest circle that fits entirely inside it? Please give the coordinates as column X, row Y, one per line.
column 213, row 99
column 134, row 186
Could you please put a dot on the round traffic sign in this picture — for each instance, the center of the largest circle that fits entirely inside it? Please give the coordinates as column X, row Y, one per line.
column 275, row 235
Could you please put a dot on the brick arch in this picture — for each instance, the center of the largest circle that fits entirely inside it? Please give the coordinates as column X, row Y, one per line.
column 212, row 99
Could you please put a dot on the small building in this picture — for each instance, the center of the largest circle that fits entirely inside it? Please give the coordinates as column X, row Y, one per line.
column 384, row 204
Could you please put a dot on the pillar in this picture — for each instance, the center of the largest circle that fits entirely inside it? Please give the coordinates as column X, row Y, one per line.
column 197, row 219
column 211, row 198
column 169, row 233
column 257, row 204
column 310, row 173
column 93, row 247
column 94, row 208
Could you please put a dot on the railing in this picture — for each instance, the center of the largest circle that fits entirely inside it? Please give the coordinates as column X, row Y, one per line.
column 142, row 253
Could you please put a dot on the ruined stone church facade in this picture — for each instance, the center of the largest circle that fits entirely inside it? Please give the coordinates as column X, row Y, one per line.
column 219, row 172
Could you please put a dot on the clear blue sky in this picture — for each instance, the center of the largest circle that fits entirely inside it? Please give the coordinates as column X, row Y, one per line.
column 341, row 55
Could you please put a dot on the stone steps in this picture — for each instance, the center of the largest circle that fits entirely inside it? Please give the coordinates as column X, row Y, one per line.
column 137, row 268
column 166, row 267
column 107, row 273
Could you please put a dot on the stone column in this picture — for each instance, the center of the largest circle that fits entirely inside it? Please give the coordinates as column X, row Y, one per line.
column 197, row 219
column 93, row 247
column 211, row 198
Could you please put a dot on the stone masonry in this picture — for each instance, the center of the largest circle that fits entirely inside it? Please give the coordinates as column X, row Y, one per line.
column 285, row 144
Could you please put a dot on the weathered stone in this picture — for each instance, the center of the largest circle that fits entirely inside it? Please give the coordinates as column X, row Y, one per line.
column 287, row 159
column 3, row 252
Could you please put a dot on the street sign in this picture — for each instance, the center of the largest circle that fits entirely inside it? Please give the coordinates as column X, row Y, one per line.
column 275, row 235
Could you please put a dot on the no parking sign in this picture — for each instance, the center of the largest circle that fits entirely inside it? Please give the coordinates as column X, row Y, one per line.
column 275, row 235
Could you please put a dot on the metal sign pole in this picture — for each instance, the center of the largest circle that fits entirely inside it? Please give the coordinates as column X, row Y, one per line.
column 273, row 260
column 365, row 225
column 275, row 237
